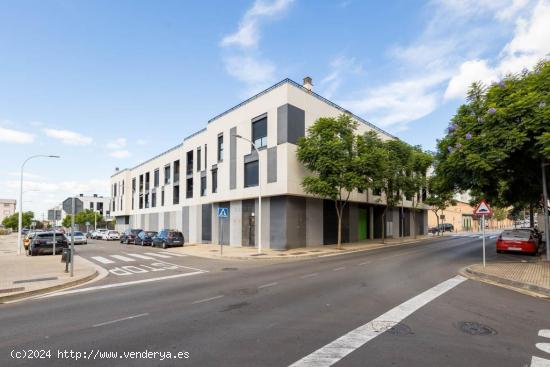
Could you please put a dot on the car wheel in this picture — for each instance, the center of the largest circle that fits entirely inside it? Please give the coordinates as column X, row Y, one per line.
column 164, row 245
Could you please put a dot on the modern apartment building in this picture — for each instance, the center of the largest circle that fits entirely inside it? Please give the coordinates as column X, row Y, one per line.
column 183, row 187
column 95, row 202
column 7, row 208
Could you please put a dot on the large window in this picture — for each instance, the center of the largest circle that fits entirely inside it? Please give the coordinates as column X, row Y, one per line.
column 259, row 132
column 176, row 171
column 198, row 159
column 133, row 185
column 220, row 147
column 147, row 180
column 189, row 188
column 251, row 174
column 146, row 200
column 140, row 183
column 156, row 178
column 162, row 197
column 215, row 180
column 153, row 199
column 203, row 186
column 167, row 174
column 189, row 168
column 141, row 201
column 176, row 198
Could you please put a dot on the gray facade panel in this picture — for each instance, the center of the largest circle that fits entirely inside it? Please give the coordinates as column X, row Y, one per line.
column 154, row 221
column 206, row 223
column 295, row 222
column 290, row 124
column 277, row 227
column 353, row 222
column 167, row 223
column 272, row 164
column 232, row 158
column 224, row 225
column 185, row 223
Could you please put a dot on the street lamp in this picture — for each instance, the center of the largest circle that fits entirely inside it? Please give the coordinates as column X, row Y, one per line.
column 20, row 223
column 259, row 192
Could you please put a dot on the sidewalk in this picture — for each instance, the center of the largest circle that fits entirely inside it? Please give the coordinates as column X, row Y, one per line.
column 533, row 277
column 251, row 253
column 23, row 276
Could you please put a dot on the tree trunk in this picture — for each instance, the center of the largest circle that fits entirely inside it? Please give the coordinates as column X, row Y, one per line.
column 384, row 225
column 414, row 219
column 339, row 214
column 531, row 216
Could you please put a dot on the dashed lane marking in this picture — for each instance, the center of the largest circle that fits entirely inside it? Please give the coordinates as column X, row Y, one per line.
column 539, row 362
column 122, row 319
column 158, row 255
column 207, row 299
column 268, row 285
column 123, row 258
column 545, row 333
column 341, row 347
column 102, row 260
column 340, row 268
column 545, row 347
column 309, row 275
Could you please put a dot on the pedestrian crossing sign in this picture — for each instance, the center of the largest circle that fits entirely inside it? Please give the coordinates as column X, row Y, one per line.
column 483, row 208
column 223, row 212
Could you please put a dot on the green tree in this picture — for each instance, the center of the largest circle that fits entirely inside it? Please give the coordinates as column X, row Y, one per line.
column 438, row 197
column 497, row 140
column 339, row 161
column 67, row 221
column 13, row 220
column 87, row 216
column 417, row 181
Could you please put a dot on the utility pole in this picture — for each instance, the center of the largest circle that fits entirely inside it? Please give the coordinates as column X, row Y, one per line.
column 545, row 208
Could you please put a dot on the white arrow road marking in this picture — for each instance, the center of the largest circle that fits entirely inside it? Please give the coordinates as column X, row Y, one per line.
column 102, row 260
column 139, row 256
column 341, row 347
column 123, row 258
column 539, row 362
column 157, row 255
column 545, row 333
column 545, row 347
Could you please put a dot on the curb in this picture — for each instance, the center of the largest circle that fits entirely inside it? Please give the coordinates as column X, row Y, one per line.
column 19, row 296
column 311, row 256
column 508, row 283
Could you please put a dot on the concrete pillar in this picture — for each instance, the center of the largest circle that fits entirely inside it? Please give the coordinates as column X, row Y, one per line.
column 236, row 225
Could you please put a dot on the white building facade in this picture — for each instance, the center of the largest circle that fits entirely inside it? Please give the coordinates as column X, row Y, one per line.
column 183, row 187
column 7, row 208
column 99, row 204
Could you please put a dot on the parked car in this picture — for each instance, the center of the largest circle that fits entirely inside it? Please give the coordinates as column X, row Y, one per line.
column 145, row 238
column 98, row 233
column 24, row 231
column 518, row 240
column 27, row 239
column 42, row 243
column 167, row 238
column 111, row 235
column 79, row 238
column 129, row 236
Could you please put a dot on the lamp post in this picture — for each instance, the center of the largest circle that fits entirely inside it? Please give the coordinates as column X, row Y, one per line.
column 545, row 208
column 259, row 192
column 20, row 222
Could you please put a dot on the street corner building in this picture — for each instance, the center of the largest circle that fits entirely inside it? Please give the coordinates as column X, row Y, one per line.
column 183, row 187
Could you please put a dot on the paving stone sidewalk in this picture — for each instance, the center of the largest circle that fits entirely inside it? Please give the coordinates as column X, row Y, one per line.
column 251, row 253
column 531, row 276
column 24, row 276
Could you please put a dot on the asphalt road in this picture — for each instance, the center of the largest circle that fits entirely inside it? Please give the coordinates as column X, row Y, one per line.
column 261, row 313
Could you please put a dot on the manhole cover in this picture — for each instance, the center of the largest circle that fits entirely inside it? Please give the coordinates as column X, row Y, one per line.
column 229, row 269
column 475, row 328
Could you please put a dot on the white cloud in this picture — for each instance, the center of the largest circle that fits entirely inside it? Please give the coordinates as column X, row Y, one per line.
column 68, row 137
column 120, row 153
column 341, row 67
column 248, row 34
column 15, row 136
column 470, row 71
column 118, row 143
column 256, row 73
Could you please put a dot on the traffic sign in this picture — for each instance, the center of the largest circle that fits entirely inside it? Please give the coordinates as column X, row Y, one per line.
column 51, row 215
column 483, row 208
column 68, row 205
column 223, row 212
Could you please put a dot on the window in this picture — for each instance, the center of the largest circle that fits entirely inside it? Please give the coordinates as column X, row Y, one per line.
column 205, row 156
column 251, row 174
column 259, row 132
column 220, row 147
column 133, row 185
column 176, row 171
column 99, row 207
column 132, row 202
column 203, row 186
column 114, row 190
column 167, row 174
column 91, row 205
column 189, row 188
column 156, row 178
column 189, row 168
column 215, row 180
column 146, row 200
column 198, row 159
column 123, row 187
column 141, row 201
column 162, row 197
column 176, row 198
column 140, row 183
column 424, row 194
column 153, row 199
column 147, row 180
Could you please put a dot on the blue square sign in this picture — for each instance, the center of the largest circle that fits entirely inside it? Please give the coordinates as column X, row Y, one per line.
column 223, row 212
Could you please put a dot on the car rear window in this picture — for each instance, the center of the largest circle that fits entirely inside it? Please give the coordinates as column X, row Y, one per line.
column 176, row 234
column 78, row 234
column 151, row 233
column 516, row 235
column 136, row 230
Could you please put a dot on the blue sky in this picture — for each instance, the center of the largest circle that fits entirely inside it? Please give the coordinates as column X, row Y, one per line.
column 108, row 84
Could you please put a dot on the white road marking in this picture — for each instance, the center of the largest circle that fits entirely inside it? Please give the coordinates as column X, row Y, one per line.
column 493, row 237
column 176, row 254
column 122, row 284
column 139, row 256
column 545, row 347
column 340, row 268
column 539, row 362
column 102, row 260
column 268, row 285
column 122, row 319
column 157, row 255
column 545, row 333
column 364, row 263
column 207, row 299
column 341, row 347
column 335, row 254
column 123, row 258
column 309, row 275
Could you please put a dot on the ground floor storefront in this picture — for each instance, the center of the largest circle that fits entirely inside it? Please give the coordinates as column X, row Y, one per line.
column 287, row 222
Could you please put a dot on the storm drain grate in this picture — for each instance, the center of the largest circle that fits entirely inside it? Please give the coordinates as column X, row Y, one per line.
column 475, row 328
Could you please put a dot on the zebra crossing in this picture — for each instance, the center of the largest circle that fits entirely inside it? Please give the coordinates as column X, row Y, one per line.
column 131, row 257
column 474, row 235
column 129, row 263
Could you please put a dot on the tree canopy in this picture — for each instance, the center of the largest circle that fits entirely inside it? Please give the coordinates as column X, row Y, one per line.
column 13, row 220
column 497, row 140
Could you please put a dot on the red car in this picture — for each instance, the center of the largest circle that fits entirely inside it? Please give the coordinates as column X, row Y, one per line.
column 518, row 240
